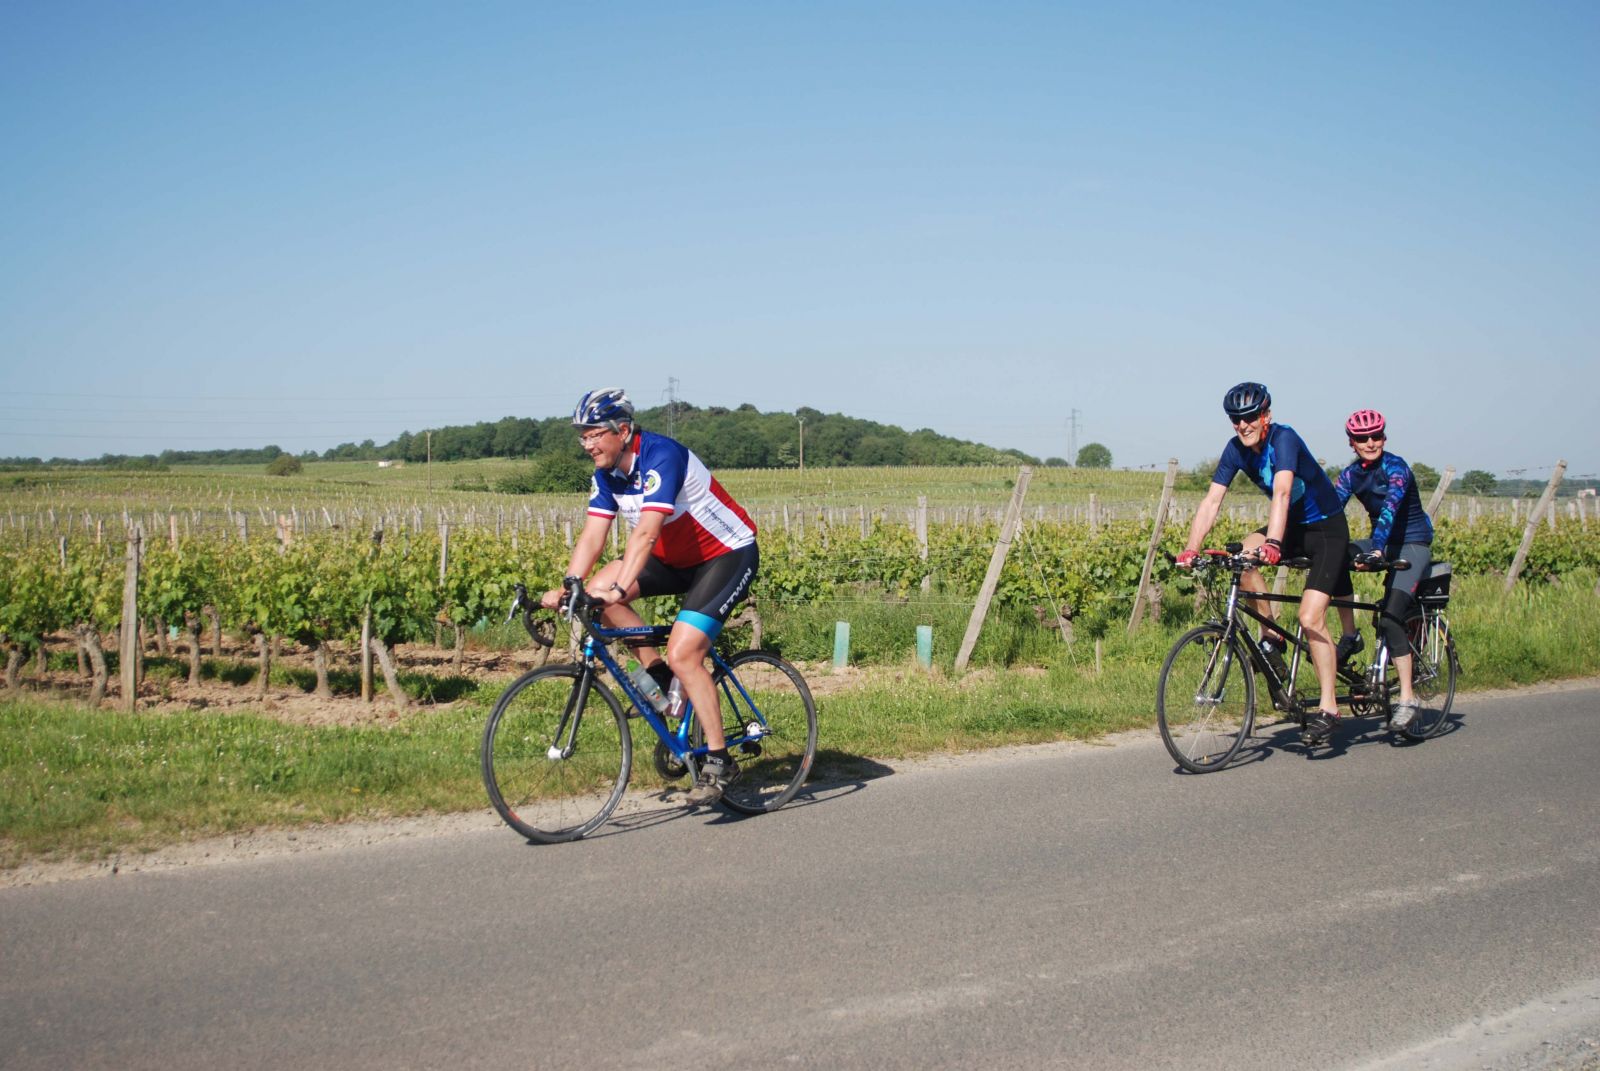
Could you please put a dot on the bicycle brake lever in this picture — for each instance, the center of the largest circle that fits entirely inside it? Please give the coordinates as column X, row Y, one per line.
column 518, row 598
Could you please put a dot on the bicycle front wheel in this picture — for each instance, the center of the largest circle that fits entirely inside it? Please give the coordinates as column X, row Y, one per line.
column 1206, row 699
column 1433, row 673
column 556, row 754
column 770, row 721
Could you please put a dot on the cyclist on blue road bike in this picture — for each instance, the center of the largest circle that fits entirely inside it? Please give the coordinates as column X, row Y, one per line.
column 689, row 537
column 1306, row 518
column 1384, row 485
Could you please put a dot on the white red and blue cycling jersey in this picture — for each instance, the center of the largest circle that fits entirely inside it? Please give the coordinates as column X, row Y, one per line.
column 1388, row 491
column 703, row 521
column 1283, row 450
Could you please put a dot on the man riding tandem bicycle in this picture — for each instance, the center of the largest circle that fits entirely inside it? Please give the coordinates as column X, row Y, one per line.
column 1206, row 696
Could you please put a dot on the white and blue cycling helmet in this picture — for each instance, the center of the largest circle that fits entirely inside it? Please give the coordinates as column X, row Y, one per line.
column 607, row 407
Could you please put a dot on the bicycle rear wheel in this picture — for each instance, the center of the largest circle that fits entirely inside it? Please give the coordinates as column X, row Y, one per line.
column 556, row 768
column 1433, row 673
column 1206, row 699
column 765, row 704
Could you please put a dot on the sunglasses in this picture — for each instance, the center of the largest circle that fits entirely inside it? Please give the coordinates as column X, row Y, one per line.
column 1376, row 437
column 1246, row 420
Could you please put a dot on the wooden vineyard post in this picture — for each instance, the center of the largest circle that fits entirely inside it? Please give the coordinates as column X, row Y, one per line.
column 997, row 561
column 444, row 563
column 366, row 627
column 922, row 539
column 1438, row 492
column 1535, row 515
column 366, row 655
column 129, row 655
column 1143, row 594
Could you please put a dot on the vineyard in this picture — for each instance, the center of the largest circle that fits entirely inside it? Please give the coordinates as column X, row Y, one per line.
column 410, row 576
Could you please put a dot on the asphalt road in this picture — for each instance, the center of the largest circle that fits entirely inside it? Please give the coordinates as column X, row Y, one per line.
column 1384, row 906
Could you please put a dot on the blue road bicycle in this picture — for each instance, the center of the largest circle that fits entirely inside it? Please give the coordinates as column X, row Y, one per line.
column 557, row 751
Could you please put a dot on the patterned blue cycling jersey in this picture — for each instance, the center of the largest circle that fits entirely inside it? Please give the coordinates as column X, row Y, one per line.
column 1388, row 491
column 1283, row 450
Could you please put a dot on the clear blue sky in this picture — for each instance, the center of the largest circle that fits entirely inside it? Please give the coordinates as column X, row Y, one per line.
column 235, row 223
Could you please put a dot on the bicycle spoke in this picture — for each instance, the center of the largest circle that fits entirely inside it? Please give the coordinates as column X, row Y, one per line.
column 1433, row 673
column 555, row 772
column 771, row 724
column 1205, row 700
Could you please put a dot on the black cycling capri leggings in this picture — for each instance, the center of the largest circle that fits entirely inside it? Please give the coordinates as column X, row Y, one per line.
column 1399, row 591
column 1325, row 543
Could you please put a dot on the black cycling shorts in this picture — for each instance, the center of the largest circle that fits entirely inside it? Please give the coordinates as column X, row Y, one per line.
column 710, row 590
column 1324, row 543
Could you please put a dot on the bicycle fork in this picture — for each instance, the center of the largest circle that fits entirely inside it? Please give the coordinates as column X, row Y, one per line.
column 571, row 717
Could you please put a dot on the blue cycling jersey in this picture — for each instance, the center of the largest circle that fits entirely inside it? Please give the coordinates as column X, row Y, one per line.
column 1282, row 450
column 1388, row 491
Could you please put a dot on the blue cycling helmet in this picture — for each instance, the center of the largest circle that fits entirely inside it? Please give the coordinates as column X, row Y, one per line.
column 1246, row 400
column 603, row 408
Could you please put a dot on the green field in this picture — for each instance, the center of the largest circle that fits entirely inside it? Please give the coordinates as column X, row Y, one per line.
column 67, row 501
column 461, row 484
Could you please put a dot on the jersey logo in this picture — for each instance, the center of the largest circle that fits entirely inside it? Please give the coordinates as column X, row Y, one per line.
column 594, row 486
column 652, row 482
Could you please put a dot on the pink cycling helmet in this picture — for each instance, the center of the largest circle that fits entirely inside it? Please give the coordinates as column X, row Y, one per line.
column 1364, row 422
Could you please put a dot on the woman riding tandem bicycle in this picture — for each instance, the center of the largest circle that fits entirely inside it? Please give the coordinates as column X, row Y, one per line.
column 1383, row 483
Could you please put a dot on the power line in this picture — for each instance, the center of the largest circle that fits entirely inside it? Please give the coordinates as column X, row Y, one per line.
column 298, row 399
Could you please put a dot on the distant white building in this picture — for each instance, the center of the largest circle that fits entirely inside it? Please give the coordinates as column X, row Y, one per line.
column 386, row 463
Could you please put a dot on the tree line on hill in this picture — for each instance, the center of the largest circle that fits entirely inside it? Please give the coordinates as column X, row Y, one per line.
column 725, row 438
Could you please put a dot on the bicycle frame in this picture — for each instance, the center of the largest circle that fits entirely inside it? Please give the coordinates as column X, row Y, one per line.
column 1237, row 609
column 596, row 650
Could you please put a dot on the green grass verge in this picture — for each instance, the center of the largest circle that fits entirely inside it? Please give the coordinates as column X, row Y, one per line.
column 82, row 783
